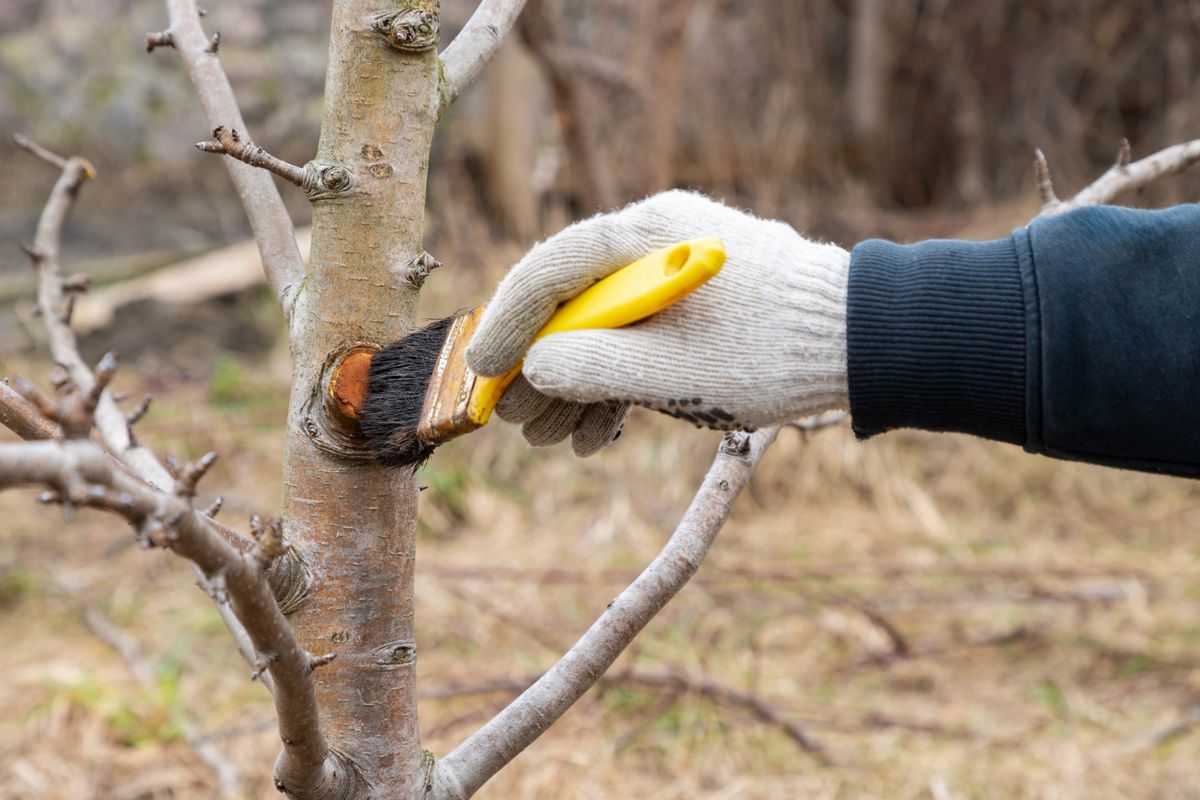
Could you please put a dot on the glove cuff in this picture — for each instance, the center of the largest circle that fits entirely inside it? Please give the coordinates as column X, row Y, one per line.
column 816, row 348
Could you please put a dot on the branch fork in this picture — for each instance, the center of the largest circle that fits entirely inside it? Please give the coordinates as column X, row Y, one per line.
column 128, row 480
column 1125, row 175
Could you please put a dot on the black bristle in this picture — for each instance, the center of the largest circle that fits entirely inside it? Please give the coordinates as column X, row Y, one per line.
column 396, row 387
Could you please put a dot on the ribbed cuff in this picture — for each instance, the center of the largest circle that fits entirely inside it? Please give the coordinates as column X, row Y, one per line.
column 935, row 338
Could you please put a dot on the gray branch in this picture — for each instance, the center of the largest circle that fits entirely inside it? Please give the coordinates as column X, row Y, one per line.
column 460, row 774
column 227, row 141
column 54, row 305
column 79, row 473
column 273, row 228
column 465, row 57
column 156, row 500
column 1122, row 177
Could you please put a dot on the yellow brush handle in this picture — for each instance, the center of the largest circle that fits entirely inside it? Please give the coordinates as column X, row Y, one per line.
column 628, row 295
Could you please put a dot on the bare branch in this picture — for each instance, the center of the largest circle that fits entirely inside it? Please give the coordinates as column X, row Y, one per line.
column 471, row 764
column 191, row 474
column 227, row 141
column 1124, row 153
column 23, row 418
column 98, row 404
column 1045, row 183
column 465, row 57
column 79, row 473
column 51, row 303
column 30, row 146
column 273, row 229
column 1122, row 177
column 159, row 39
column 289, row 586
column 139, row 411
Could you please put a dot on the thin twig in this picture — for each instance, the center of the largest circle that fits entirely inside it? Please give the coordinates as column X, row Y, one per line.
column 273, row 229
column 30, row 146
column 471, row 764
column 1041, row 168
column 21, row 417
column 227, row 141
column 112, row 424
column 1122, row 177
column 51, row 303
column 465, row 57
column 131, row 461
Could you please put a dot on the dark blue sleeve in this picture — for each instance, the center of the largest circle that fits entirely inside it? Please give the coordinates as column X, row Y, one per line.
column 1077, row 337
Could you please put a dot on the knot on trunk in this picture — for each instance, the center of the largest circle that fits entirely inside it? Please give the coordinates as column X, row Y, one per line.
column 409, row 30
column 325, row 181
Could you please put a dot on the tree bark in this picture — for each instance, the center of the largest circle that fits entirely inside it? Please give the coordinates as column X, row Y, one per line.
column 354, row 521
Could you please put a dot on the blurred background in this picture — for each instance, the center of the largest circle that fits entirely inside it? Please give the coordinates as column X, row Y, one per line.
column 914, row 617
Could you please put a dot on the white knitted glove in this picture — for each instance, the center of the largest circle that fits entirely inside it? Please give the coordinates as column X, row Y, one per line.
column 763, row 342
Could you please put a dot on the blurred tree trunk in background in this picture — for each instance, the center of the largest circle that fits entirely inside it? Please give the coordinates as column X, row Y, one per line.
column 869, row 68
column 543, row 28
column 512, row 140
column 660, row 58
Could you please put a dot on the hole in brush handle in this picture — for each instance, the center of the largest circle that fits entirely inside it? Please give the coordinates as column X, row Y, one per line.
column 677, row 258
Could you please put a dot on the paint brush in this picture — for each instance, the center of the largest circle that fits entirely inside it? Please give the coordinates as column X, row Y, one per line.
column 421, row 393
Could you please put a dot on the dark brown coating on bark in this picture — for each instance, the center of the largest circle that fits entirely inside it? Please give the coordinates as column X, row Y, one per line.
column 396, row 388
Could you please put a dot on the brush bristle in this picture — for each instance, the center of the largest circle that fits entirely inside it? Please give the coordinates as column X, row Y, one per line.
column 396, row 387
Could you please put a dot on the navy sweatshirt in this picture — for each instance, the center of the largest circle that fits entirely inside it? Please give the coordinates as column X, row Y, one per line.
column 1077, row 337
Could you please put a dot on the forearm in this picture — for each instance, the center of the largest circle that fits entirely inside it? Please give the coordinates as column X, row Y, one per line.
column 1078, row 337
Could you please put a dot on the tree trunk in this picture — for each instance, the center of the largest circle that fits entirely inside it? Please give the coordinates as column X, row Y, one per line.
column 354, row 521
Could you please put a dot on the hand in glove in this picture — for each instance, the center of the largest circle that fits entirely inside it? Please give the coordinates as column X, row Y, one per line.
column 761, row 343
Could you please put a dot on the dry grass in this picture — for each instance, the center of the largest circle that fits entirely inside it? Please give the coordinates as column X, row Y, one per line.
column 949, row 618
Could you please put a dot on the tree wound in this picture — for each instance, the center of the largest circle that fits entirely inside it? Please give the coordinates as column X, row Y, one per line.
column 409, row 30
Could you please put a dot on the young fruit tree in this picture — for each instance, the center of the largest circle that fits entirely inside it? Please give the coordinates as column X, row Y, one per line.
column 320, row 602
